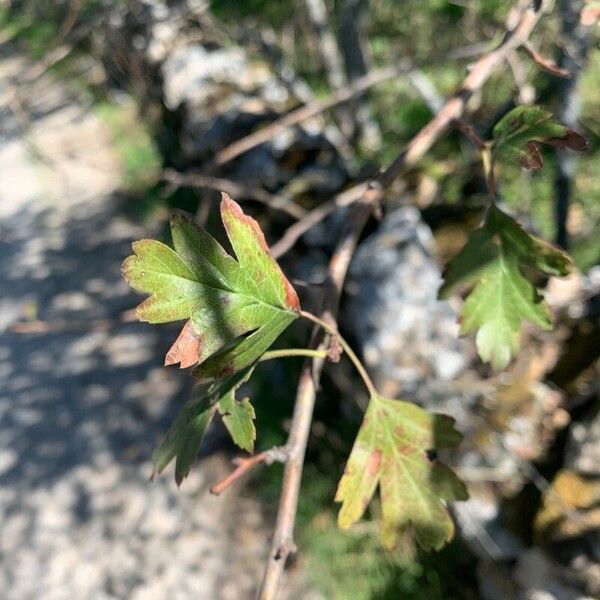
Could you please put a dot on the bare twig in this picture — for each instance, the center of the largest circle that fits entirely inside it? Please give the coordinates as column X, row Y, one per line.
column 524, row 87
column 469, row 132
column 298, row 229
column 38, row 326
column 308, row 111
column 546, row 63
column 343, row 94
column 283, row 543
column 233, row 188
column 245, row 463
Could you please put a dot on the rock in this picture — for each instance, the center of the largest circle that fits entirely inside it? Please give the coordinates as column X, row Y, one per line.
column 407, row 336
column 540, row 579
column 583, row 448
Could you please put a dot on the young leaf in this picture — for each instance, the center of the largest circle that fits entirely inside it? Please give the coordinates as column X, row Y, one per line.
column 236, row 308
column 238, row 416
column 391, row 451
column 502, row 297
column 185, row 435
column 518, row 135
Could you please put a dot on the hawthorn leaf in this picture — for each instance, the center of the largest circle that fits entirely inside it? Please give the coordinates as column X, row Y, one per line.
column 502, row 297
column 238, row 416
column 518, row 135
column 235, row 307
column 391, row 452
column 183, row 439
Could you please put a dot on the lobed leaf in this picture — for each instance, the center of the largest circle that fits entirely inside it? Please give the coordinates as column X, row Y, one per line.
column 502, row 296
column 391, row 452
column 236, row 307
column 517, row 136
column 183, row 439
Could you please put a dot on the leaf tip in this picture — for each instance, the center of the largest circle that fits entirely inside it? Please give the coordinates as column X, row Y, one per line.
column 187, row 348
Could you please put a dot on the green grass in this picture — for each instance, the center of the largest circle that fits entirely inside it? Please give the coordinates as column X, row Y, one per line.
column 354, row 564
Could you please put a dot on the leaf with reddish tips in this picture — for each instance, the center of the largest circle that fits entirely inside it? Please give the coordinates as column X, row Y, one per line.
column 518, row 135
column 186, row 348
column 502, row 297
column 391, row 452
column 236, row 307
column 183, row 439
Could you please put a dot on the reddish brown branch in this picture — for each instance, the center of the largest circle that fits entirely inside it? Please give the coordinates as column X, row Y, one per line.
column 244, row 464
column 453, row 109
column 546, row 63
column 469, row 132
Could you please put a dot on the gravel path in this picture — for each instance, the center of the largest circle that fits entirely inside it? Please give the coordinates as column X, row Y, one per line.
column 82, row 408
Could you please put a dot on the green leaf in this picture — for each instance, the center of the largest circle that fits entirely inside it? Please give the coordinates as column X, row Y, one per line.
column 235, row 308
column 391, row 451
column 517, row 136
column 183, row 439
column 238, row 417
column 502, row 297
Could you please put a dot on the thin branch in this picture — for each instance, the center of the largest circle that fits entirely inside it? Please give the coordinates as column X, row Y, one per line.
column 524, row 87
column 235, row 189
column 308, row 111
column 41, row 327
column 546, row 63
column 343, row 94
column 244, row 464
column 450, row 113
column 333, row 331
column 470, row 133
column 283, row 543
column 294, row 232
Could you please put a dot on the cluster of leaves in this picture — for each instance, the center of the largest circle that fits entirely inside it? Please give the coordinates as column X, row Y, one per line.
column 236, row 307
column 235, row 310
column 500, row 258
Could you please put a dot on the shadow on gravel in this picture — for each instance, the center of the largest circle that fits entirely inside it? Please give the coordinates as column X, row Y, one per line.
column 87, row 388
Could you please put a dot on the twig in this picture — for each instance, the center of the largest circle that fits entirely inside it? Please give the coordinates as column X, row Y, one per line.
column 343, row 94
column 546, row 63
column 308, row 111
column 235, row 189
column 38, row 326
column 524, row 87
column 469, row 132
column 244, row 464
column 298, row 229
column 283, row 543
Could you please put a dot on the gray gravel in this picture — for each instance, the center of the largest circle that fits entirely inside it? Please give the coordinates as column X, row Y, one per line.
column 82, row 407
